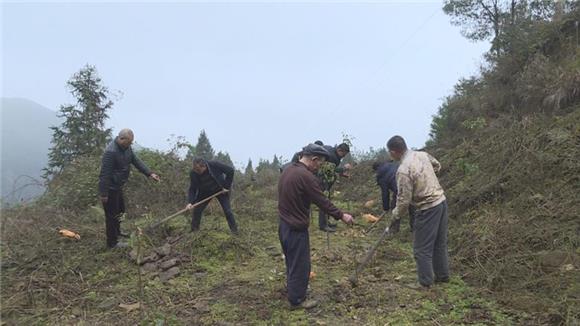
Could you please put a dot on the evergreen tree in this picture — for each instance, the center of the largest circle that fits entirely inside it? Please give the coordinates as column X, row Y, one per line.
column 83, row 131
column 263, row 165
column 249, row 168
column 224, row 158
column 276, row 165
column 203, row 148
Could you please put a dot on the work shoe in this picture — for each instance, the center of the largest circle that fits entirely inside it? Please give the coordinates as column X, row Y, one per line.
column 417, row 286
column 306, row 304
column 120, row 245
column 328, row 228
column 124, row 234
column 442, row 280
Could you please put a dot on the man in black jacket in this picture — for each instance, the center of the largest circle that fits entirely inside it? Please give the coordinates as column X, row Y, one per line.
column 207, row 178
column 115, row 170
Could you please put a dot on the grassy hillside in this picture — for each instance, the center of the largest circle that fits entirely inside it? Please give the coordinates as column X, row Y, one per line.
column 509, row 141
column 222, row 279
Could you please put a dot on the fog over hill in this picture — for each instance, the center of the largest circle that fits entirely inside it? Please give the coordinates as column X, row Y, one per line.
column 25, row 140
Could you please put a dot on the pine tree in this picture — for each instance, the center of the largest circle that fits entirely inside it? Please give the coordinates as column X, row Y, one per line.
column 224, row 158
column 83, row 131
column 263, row 165
column 203, row 148
column 276, row 165
column 249, row 168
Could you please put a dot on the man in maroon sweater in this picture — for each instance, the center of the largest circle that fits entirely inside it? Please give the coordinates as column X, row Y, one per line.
column 298, row 187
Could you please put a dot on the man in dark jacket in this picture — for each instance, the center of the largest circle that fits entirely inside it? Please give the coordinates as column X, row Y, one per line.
column 207, row 178
column 298, row 188
column 327, row 179
column 386, row 174
column 115, row 170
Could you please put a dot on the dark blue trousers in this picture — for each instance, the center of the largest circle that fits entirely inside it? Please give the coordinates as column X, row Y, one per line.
column 296, row 249
column 224, row 200
column 430, row 244
column 114, row 208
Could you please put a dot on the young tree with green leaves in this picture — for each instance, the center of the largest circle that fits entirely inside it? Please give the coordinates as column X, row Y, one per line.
column 83, row 131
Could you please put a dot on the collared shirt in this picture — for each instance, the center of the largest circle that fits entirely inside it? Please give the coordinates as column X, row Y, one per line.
column 417, row 183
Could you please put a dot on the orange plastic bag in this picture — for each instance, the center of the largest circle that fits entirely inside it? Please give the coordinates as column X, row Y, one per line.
column 69, row 234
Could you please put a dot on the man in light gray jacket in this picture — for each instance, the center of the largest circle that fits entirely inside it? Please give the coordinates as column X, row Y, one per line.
column 418, row 186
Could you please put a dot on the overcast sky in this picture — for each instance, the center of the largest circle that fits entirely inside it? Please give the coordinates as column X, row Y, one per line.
column 262, row 78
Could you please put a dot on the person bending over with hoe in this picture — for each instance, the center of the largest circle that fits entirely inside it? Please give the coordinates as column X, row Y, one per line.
column 418, row 185
column 208, row 178
column 115, row 170
column 386, row 176
column 298, row 187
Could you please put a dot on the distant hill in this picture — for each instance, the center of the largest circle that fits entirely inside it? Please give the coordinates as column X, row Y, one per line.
column 25, row 140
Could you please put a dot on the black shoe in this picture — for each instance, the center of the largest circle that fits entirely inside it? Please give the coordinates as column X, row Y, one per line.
column 328, row 228
column 124, row 235
column 442, row 280
column 306, row 304
column 120, row 245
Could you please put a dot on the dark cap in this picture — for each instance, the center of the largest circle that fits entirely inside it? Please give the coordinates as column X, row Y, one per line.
column 315, row 150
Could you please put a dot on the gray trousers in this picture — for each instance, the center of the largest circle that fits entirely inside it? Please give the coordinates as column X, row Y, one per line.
column 430, row 244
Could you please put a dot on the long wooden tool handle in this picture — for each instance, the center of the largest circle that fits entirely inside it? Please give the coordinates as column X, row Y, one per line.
column 156, row 224
column 371, row 252
column 377, row 222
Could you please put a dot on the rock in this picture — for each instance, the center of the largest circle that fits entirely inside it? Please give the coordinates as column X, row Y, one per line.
column 201, row 306
column 168, row 263
column 108, row 303
column 164, row 250
column 553, row 259
column 153, row 257
column 130, row 307
column 133, row 255
column 273, row 251
column 77, row 311
column 149, row 267
column 168, row 274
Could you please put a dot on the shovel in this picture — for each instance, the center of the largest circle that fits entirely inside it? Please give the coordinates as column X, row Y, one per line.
column 156, row 224
column 353, row 279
